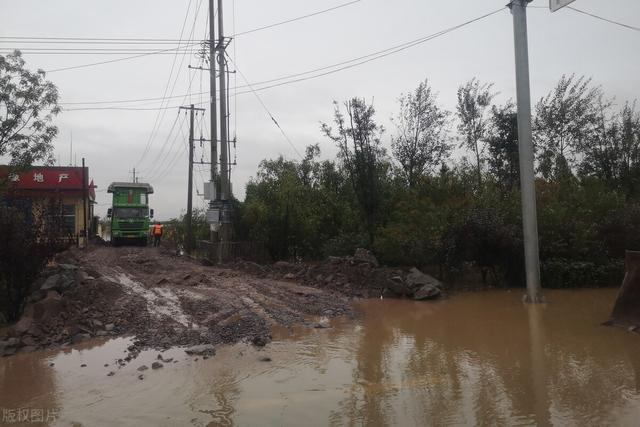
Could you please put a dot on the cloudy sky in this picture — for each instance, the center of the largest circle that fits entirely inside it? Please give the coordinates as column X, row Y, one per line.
column 114, row 141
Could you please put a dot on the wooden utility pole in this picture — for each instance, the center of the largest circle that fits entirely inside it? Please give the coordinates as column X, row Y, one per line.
column 189, row 231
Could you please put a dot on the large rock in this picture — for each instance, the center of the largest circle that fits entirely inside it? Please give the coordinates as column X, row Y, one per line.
column 57, row 282
column 416, row 280
column 427, row 292
column 398, row 287
column 22, row 325
column 8, row 346
column 364, row 256
column 82, row 276
column 46, row 309
column 200, row 350
column 283, row 265
column 51, row 282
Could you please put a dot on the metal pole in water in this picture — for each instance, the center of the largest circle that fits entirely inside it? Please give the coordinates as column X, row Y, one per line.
column 525, row 143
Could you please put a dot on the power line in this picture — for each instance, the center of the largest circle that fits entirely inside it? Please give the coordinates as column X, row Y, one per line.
column 363, row 59
column 75, row 67
column 159, row 167
column 266, row 109
column 173, row 161
column 631, row 27
column 295, row 19
column 166, row 88
column 17, row 39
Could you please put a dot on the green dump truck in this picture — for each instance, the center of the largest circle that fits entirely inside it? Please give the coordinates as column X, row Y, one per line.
column 130, row 214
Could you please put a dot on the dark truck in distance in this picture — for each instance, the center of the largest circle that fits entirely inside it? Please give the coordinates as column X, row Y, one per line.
column 130, row 214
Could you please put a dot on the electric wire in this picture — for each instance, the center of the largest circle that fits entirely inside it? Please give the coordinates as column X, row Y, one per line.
column 166, row 88
column 286, row 137
column 288, row 21
column 611, row 21
column 351, row 63
column 75, row 67
column 163, row 165
column 159, row 52
column 358, row 61
column 173, row 161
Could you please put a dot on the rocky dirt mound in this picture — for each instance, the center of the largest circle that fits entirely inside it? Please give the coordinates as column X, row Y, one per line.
column 354, row 276
column 159, row 298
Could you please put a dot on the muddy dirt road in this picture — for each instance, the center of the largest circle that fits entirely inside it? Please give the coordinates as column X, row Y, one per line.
column 163, row 300
column 182, row 302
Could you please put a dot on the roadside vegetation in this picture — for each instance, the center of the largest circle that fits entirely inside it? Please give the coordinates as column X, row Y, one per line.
column 418, row 204
column 28, row 105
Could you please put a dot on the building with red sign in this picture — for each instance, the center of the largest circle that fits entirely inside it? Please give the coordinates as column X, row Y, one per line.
column 67, row 184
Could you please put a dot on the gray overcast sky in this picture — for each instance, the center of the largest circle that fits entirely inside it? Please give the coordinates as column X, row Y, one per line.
column 113, row 141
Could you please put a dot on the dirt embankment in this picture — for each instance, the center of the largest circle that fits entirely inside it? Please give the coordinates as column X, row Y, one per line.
column 162, row 299
column 165, row 300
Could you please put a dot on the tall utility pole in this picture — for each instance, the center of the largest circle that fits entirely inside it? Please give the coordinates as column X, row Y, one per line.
column 225, row 187
column 212, row 96
column 213, row 236
column 224, row 156
column 525, row 143
column 189, row 231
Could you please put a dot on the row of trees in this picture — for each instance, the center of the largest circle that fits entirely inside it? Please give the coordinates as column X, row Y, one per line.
column 419, row 204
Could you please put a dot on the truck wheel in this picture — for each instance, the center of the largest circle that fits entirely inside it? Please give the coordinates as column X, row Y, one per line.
column 115, row 241
column 143, row 241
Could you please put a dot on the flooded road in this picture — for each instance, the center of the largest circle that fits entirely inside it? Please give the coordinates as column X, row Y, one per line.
column 477, row 358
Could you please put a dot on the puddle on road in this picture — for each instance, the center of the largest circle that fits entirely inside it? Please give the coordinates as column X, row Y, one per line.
column 474, row 359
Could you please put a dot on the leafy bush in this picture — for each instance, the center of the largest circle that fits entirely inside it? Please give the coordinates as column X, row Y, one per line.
column 28, row 242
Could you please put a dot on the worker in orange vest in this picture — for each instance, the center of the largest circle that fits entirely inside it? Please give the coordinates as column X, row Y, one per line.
column 156, row 231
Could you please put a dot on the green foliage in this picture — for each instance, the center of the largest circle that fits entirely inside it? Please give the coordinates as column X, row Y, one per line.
column 458, row 217
column 474, row 98
column 358, row 138
column 502, row 146
column 28, row 241
column 174, row 230
column 28, row 104
column 422, row 141
column 565, row 119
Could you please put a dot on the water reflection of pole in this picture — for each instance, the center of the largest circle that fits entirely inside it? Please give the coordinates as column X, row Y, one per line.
column 538, row 366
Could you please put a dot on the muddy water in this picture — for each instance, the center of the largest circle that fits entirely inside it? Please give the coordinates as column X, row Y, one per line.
column 480, row 358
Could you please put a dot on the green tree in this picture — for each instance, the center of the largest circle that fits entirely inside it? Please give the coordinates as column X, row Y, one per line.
column 564, row 120
column 358, row 138
column 28, row 104
column 474, row 98
column 502, row 144
column 421, row 143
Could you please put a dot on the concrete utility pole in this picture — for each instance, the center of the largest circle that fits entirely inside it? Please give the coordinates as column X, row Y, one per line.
column 224, row 140
column 189, row 231
column 212, row 96
column 213, row 236
column 525, row 143
column 225, row 187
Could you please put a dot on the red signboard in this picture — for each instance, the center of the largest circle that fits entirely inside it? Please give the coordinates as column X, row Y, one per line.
column 46, row 178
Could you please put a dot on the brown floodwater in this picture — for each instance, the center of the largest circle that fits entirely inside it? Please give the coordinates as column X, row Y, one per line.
column 477, row 358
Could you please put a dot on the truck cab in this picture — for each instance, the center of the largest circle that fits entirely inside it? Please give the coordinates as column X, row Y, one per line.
column 130, row 214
